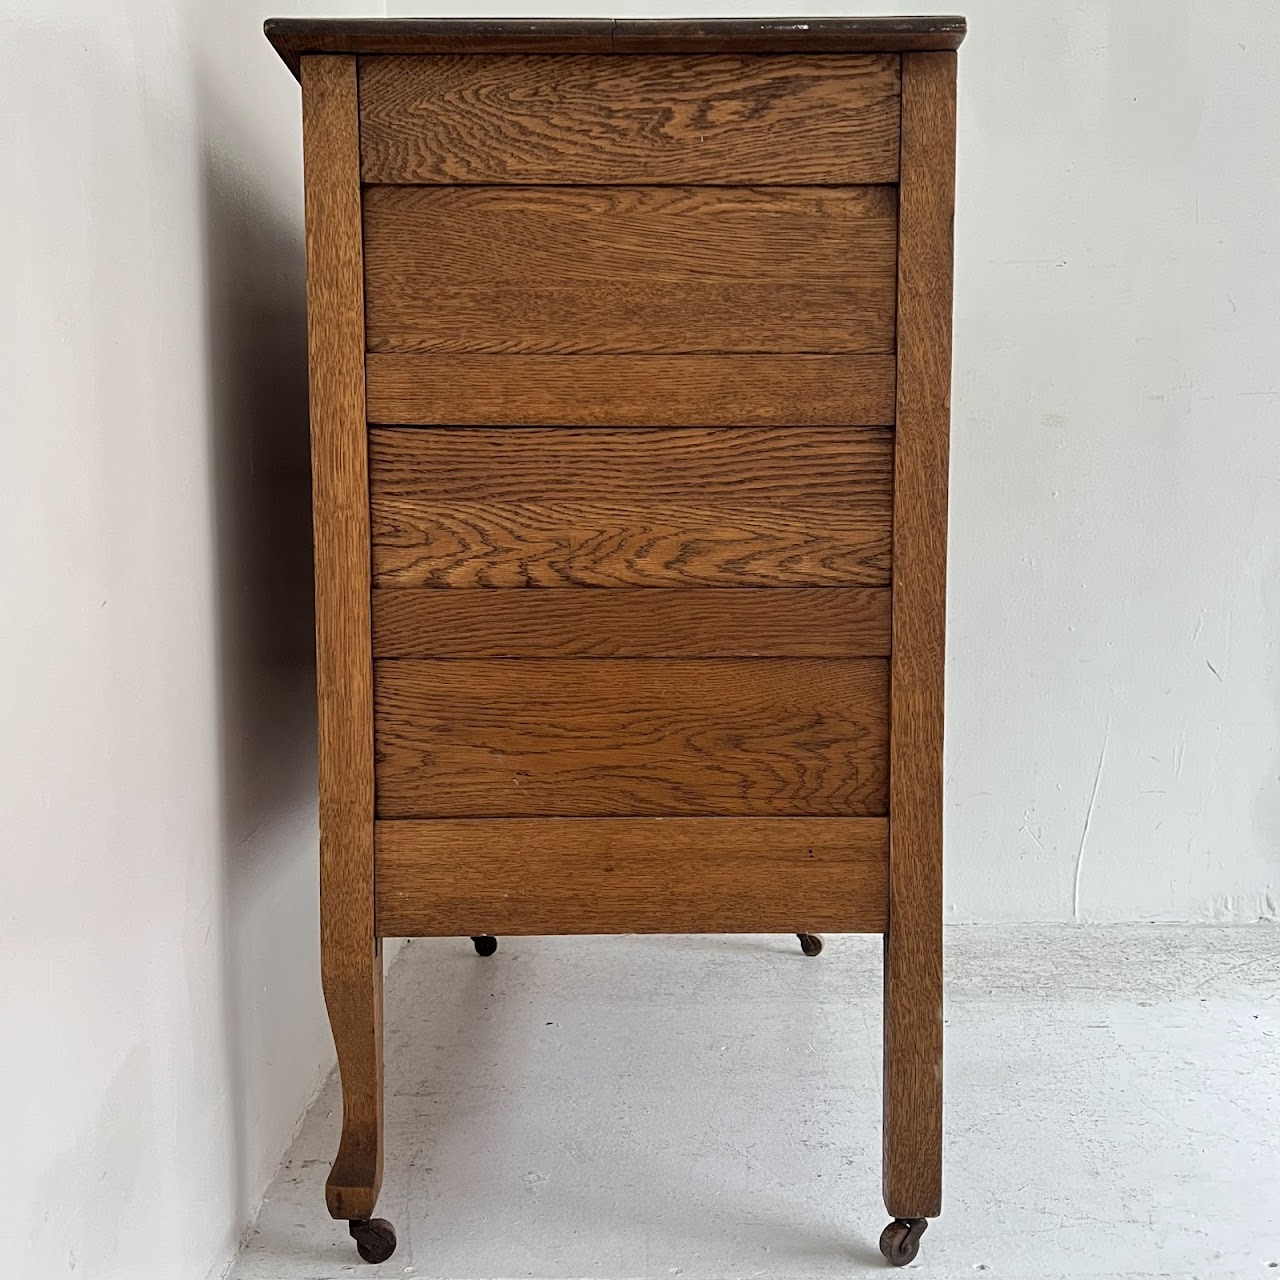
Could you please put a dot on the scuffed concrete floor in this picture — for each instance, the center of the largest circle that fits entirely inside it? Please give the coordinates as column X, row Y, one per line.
column 708, row 1108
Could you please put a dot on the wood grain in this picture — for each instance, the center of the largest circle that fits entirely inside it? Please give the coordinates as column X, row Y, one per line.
column 559, row 507
column 293, row 37
column 829, row 467
column 592, row 545
column 732, row 119
column 913, row 951
column 622, row 737
column 658, row 623
column 619, row 390
column 351, row 958
column 630, row 269
column 631, row 875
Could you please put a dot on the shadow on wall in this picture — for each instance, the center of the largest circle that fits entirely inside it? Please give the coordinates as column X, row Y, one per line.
column 276, row 1040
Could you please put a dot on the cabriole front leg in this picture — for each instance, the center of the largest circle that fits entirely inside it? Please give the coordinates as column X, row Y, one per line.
column 355, row 1015
column 350, row 954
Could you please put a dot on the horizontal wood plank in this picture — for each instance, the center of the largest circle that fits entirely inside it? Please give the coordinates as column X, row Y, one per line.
column 733, row 119
column 657, row 623
column 629, row 875
column 630, row 269
column 621, row 737
column 631, row 390
column 550, row 507
column 810, row 466
column 585, row 544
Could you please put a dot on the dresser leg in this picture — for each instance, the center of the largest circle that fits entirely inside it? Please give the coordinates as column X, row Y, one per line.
column 913, row 943
column 912, row 1081
column 350, row 953
column 353, row 994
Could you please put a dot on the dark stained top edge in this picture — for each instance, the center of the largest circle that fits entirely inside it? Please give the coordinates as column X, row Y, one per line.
column 294, row 37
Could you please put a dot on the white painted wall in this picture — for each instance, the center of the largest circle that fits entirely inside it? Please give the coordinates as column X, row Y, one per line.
column 1113, row 747
column 159, row 993
column 1114, row 736
column 1115, row 690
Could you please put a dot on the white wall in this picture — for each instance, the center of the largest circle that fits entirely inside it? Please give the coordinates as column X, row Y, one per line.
column 159, row 993
column 1115, row 690
column 1113, row 745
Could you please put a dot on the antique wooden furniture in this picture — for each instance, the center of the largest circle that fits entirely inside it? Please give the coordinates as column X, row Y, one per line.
column 630, row 361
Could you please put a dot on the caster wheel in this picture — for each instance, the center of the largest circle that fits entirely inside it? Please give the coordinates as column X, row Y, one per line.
column 900, row 1240
column 810, row 943
column 485, row 945
column 375, row 1238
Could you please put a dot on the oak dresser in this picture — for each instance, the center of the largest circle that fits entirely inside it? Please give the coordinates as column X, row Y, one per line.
column 630, row 363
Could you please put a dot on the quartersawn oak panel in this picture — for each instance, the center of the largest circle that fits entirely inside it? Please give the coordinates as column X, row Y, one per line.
column 631, row 390
column 654, row 623
column 810, row 466
column 733, row 737
column 779, row 119
column 631, row 875
column 630, row 269
column 583, row 544
column 548, row 507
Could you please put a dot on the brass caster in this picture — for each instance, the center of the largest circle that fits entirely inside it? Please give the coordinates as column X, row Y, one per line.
column 375, row 1238
column 900, row 1240
column 810, row 943
column 485, row 945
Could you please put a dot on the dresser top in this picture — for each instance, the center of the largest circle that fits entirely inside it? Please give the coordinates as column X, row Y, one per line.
column 293, row 37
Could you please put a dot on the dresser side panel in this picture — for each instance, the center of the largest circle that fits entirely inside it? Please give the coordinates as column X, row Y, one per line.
column 610, row 737
column 649, row 622
column 619, row 390
column 628, row 269
column 554, row 507
column 703, row 120
column 631, row 875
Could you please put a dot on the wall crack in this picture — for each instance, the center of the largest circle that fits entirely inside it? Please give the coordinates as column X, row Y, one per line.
column 1088, row 819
